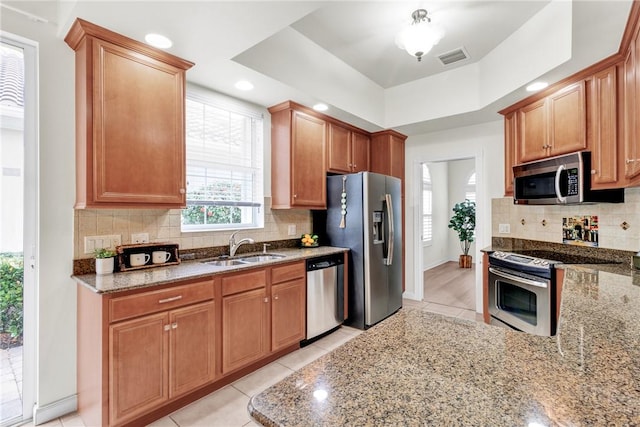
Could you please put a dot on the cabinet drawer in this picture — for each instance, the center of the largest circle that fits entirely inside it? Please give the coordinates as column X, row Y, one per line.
column 154, row 301
column 243, row 282
column 284, row 273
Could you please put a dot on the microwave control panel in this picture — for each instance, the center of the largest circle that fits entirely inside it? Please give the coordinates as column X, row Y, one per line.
column 573, row 182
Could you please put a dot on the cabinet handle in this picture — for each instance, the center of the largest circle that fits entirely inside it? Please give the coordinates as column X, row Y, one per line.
column 266, row 299
column 176, row 298
column 630, row 161
column 174, row 325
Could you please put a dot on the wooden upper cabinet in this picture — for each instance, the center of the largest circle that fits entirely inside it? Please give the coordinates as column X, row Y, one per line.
column 553, row 125
column 387, row 153
column 298, row 177
column 602, row 135
column 360, row 151
column 348, row 151
column 533, row 135
column 510, row 131
column 339, row 149
column 631, row 108
column 567, row 120
column 130, row 121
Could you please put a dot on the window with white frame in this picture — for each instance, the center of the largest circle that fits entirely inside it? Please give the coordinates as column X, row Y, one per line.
column 427, row 209
column 224, row 165
column 470, row 189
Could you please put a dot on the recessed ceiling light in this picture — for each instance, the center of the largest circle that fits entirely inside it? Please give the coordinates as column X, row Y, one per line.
column 536, row 86
column 321, row 107
column 158, row 40
column 244, row 85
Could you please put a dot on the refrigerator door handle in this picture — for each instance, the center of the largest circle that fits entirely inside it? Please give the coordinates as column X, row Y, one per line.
column 389, row 259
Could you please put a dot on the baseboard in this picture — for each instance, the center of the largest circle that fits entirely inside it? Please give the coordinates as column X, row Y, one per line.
column 435, row 264
column 42, row 414
column 410, row 295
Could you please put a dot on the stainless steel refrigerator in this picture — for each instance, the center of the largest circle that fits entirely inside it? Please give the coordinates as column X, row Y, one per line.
column 364, row 213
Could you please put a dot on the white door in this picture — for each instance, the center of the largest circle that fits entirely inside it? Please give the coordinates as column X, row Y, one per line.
column 18, row 226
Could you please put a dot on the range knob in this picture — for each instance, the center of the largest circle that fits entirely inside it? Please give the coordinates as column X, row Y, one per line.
column 536, row 261
column 545, row 263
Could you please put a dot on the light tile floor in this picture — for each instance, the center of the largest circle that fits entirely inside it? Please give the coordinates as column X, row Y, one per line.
column 10, row 383
column 228, row 406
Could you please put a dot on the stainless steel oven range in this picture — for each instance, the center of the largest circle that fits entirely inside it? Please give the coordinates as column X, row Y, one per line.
column 522, row 292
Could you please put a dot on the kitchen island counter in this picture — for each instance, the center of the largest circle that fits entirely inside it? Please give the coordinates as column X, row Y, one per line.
column 420, row 368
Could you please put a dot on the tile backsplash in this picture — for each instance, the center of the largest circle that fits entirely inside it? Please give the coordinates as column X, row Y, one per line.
column 618, row 223
column 163, row 225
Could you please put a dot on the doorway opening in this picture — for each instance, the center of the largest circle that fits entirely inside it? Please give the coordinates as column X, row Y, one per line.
column 18, row 198
column 446, row 287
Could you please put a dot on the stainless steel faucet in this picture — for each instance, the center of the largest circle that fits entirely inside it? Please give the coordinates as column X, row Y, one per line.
column 233, row 246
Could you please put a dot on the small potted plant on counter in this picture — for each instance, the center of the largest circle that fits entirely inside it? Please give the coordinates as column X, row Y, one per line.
column 104, row 261
column 463, row 222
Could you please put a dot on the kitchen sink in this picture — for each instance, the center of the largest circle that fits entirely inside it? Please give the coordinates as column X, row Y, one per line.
column 262, row 257
column 225, row 262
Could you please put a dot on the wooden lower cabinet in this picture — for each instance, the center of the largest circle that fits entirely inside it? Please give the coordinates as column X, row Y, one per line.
column 244, row 329
column 142, row 354
column 138, row 366
column 192, row 348
column 158, row 357
column 287, row 313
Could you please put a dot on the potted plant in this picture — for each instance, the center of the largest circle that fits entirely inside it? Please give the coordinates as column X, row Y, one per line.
column 463, row 222
column 104, row 261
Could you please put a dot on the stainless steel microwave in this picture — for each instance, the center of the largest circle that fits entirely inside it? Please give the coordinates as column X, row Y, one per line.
column 559, row 180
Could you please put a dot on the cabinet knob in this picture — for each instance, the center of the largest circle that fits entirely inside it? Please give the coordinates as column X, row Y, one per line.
column 275, row 297
column 182, row 191
column 295, row 196
column 266, row 299
column 174, row 325
column 593, row 171
column 167, row 327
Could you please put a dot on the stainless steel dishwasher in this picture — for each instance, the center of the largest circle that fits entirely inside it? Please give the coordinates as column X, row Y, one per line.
column 325, row 297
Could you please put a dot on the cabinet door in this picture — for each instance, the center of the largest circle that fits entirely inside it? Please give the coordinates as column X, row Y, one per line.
column 510, row 132
column 632, row 107
column 192, row 351
column 532, row 131
column 567, row 120
column 308, row 179
column 603, row 136
column 244, row 328
column 339, row 149
column 360, row 152
column 396, row 161
column 138, row 366
column 138, row 128
column 287, row 314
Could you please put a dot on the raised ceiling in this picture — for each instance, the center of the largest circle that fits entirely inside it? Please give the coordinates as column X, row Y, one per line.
column 343, row 52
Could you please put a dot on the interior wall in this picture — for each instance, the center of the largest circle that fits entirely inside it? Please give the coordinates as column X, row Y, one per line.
column 526, row 222
column 459, row 171
column 483, row 142
column 436, row 252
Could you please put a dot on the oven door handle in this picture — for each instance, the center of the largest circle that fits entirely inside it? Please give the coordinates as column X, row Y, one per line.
column 506, row 275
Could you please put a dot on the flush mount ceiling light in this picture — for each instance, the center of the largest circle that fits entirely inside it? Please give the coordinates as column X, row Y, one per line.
column 244, row 85
column 321, row 107
column 536, row 86
column 158, row 40
column 419, row 37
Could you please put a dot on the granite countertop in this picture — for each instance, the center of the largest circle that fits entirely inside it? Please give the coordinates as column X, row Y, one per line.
column 420, row 368
column 124, row 281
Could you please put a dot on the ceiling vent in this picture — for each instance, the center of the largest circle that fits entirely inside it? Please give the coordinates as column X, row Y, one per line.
column 456, row 55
